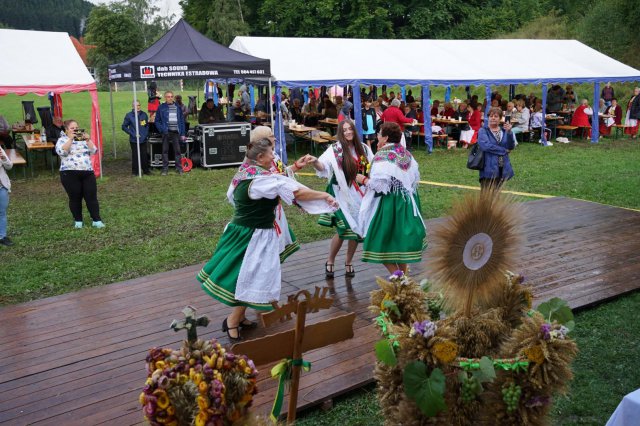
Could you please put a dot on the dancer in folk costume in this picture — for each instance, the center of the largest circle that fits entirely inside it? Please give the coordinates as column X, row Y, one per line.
column 340, row 164
column 288, row 243
column 394, row 232
column 245, row 268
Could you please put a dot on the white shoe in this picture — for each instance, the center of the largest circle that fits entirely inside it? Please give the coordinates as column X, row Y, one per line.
column 78, row 225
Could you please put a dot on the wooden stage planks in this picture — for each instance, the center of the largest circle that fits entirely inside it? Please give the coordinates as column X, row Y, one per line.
column 78, row 358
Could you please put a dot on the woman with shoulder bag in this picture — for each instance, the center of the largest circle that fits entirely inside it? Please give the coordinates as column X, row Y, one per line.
column 496, row 144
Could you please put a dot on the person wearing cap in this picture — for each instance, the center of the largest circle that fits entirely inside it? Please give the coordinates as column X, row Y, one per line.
column 210, row 113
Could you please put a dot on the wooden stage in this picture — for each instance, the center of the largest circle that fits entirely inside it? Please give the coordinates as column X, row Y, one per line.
column 79, row 358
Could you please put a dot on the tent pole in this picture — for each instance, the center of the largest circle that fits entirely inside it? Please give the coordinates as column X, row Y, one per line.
column 135, row 114
column 595, row 120
column 271, row 103
column 487, row 97
column 357, row 107
column 544, row 114
column 113, row 122
column 426, row 113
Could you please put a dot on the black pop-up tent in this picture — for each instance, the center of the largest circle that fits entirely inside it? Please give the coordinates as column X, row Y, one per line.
column 184, row 53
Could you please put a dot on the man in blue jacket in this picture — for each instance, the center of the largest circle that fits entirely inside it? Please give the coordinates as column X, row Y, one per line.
column 129, row 126
column 170, row 123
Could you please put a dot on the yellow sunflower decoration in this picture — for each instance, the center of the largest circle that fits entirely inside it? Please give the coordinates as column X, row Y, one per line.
column 474, row 247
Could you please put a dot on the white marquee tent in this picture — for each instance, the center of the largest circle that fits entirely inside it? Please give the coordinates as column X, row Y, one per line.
column 41, row 62
column 300, row 62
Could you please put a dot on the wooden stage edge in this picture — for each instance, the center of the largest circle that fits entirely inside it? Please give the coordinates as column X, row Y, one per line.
column 78, row 358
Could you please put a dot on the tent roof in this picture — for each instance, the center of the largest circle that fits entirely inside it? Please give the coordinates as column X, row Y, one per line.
column 56, row 66
column 301, row 61
column 185, row 53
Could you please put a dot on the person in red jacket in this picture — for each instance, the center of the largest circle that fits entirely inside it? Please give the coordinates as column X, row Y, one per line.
column 395, row 115
column 448, row 110
column 581, row 117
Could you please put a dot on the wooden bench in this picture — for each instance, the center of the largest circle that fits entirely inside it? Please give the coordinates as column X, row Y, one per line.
column 568, row 128
column 618, row 128
column 437, row 138
column 17, row 159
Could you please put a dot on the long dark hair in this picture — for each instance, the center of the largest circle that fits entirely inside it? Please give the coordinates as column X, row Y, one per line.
column 349, row 164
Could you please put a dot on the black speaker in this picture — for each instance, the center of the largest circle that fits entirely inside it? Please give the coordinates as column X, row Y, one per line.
column 223, row 144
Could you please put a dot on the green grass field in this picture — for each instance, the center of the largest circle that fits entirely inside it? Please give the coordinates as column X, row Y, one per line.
column 161, row 223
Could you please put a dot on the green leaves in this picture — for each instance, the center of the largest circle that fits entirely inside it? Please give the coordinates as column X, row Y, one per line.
column 427, row 391
column 390, row 305
column 487, row 372
column 385, row 353
column 558, row 310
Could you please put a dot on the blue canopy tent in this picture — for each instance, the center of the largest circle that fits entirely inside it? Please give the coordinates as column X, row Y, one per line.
column 302, row 62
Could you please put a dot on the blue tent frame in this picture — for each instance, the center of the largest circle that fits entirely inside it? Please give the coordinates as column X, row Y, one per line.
column 426, row 86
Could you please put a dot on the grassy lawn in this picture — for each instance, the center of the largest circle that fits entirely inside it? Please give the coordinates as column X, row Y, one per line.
column 161, row 223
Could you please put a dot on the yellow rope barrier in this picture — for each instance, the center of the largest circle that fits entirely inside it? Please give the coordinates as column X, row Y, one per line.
column 477, row 188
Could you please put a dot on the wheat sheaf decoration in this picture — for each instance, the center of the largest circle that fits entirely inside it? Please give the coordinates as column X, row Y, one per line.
column 474, row 247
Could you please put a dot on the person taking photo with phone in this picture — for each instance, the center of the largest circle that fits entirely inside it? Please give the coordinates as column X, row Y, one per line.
column 76, row 173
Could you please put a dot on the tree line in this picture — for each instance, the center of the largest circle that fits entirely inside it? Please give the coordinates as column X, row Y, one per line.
column 46, row 15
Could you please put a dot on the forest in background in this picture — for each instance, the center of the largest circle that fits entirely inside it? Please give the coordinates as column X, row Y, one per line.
column 45, row 15
column 123, row 28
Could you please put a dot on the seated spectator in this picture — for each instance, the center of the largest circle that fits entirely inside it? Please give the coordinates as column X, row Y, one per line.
column 209, row 113
column 5, row 133
column 520, row 119
column 395, row 115
column 56, row 128
column 310, row 113
column 581, row 117
column 466, row 133
column 615, row 111
column 435, row 109
column 238, row 111
column 296, row 111
column 537, row 122
column 448, row 110
column 339, row 103
column 410, row 111
column 602, row 107
column 261, row 105
column 329, row 110
column 475, row 120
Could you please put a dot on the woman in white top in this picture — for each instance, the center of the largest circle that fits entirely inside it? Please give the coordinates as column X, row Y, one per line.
column 5, row 189
column 76, row 173
column 340, row 164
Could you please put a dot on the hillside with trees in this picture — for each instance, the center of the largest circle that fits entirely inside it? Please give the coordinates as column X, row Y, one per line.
column 46, row 15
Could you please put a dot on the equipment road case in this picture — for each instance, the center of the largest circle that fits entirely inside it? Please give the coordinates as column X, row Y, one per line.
column 223, row 144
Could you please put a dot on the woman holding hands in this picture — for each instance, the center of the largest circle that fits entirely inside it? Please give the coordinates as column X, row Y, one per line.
column 390, row 215
column 76, row 173
column 245, row 268
column 340, row 164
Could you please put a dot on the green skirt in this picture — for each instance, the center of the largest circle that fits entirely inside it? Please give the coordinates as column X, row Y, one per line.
column 220, row 275
column 290, row 248
column 338, row 221
column 395, row 235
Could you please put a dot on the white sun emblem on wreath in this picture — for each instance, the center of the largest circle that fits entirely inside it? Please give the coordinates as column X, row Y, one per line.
column 477, row 251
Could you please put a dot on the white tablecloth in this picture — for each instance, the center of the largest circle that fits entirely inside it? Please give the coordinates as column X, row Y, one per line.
column 628, row 411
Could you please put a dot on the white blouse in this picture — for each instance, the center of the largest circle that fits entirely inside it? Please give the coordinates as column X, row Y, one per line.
column 77, row 158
